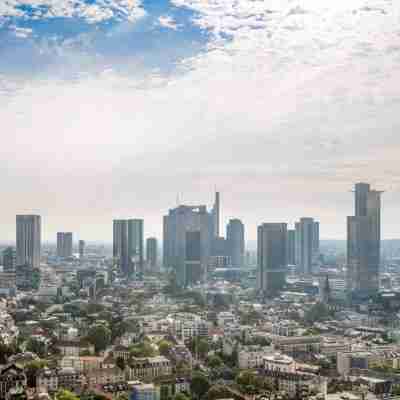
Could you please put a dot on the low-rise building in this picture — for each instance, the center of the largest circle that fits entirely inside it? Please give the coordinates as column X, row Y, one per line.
column 148, row 368
column 145, row 391
column 279, row 362
column 253, row 356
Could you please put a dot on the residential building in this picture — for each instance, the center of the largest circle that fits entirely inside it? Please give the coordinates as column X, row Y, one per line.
column 279, row 362
column 250, row 357
column 148, row 368
column 12, row 378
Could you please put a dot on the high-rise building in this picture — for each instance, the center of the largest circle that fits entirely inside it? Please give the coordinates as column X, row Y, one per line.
column 82, row 245
column 151, row 253
column 306, row 245
column 187, row 218
column 9, row 259
column 216, row 214
column 128, row 246
column 136, row 247
column 64, row 244
column 120, row 245
column 291, row 246
column 271, row 257
column 28, row 240
column 193, row 270
column 235, row 241
column 363, row 242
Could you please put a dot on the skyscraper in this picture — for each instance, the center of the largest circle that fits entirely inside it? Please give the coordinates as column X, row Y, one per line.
column 193, row 270
column 28, row 241
column 151, row 253
column 306, row 245
column 189, row 218
column 291, row 246
column 120, row 245
column 136, row 247
column 215, row 214
column 235, row 242
column 363, row 242
column 81, row 250
column 128, row 246
column 64, row 244
column 271, row 257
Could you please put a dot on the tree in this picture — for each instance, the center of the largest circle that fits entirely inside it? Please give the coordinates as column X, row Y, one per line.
column 143, row 349
column 164, row 347
column 199, row 346
column 37, row 346
column 218, row 392
column 181, row 396
column 199, row 385
column 100, row 337
column 121, row 363
column 214, row 361
column 66, row 395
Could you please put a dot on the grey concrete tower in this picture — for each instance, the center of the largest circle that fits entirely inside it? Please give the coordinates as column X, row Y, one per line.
column 64, row 244
column 363, row 242
column 28, row 240
column 271, row 257
column 235, row 242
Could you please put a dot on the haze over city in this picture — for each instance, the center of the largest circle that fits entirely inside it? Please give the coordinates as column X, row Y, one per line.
column 114, row 109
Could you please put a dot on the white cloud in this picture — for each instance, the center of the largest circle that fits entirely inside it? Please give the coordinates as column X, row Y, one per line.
column 167, row 22
column 282, row 121
column 92, row 12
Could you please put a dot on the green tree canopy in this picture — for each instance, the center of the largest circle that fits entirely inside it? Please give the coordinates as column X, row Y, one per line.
column 199, row 385
column 100, row 337
column 181, row 396
column 66, row 395
column 164, row 347
column 214, row 362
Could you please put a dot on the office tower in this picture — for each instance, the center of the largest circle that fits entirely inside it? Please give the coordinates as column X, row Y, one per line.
column 182, row 219
column 128, row 246
column 316, row 239
column 136, row 247
column 120, row 245
column 306, row 245
column 291, row 247
column 151, row 253
column 193, row 270
column 28, row 241
column 363, row 243
column 215, row 214
column 64, row 244
column 82, row 245
column 235, row 242
column 271, row 257
column 9, row 259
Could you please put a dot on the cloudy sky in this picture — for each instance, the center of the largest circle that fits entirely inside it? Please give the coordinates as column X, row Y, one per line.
column 110, row 108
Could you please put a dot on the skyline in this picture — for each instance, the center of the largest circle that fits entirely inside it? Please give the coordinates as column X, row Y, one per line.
column 223, row 224
column 282, row 105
